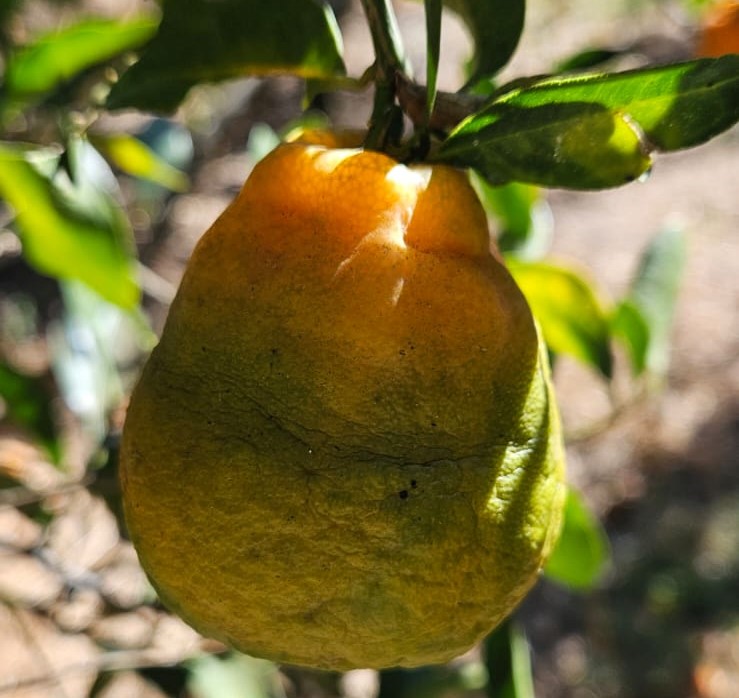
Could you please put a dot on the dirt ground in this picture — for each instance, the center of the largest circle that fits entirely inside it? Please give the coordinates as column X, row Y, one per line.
column 663, row 475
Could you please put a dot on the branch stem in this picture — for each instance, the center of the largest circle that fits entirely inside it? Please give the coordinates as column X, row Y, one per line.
column 389, row 62
column 449, row 107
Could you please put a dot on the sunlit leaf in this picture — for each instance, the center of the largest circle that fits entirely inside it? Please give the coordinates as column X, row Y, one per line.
column 203, row 41
column 27, row 403
column 568, row 310
column 495, row 26
column 580, row 555
column 70, row 228
column 595, row 131
column 676, row 106
column 654, row 293
column 583, row 146
column 41, row 65
column 136, row 158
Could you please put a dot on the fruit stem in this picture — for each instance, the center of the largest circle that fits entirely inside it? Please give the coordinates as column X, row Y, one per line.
column 389, row 61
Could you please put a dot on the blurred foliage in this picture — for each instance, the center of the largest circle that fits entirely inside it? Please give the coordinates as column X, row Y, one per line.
column 39, row 67
column 233, row 676
column 579, row 557
column 653, row 295
column 572, row 318
column 68, row 220
column 27, row 403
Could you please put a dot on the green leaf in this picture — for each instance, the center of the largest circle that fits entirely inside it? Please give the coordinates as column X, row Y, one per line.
column 594, row 131
column 235, row 676
column 70, row 228
column 53, row 58
column 581, row 146
column 522, row 216
column 28, row 404
column 205, row 41
column 654, row 293
column 629, row 325
column 496, row 27
column 565, row 305
column 582, row 550
column 433, row 51
column 508, row 661
column 136, row 158
column 587, row 59
column 676, row 106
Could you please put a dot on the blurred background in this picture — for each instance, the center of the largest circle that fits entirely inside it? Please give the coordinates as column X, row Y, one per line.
column 655, row 457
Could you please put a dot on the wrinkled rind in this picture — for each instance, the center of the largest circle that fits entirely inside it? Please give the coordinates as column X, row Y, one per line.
column 320, row 472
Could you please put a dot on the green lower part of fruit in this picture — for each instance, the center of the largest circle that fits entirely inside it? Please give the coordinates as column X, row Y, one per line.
column 294, row 547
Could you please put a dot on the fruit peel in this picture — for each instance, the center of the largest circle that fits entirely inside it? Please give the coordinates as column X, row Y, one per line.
column 345, row 451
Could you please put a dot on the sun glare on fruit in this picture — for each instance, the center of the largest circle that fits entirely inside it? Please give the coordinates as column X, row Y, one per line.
column 397, row 291
column 328, row 160
column 409, row 180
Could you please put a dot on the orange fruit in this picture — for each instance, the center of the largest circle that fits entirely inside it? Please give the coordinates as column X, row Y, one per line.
column 345, row 451
column 719, row 31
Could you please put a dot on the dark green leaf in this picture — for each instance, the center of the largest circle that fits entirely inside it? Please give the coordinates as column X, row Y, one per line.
column 676, row 106
column 433, row 50
column 571, row 317
column 70, row 229
column 433, row 681
column 589, row 58
column 629, row 325
column 496, row 27
column 508, row 661
column 54, row 58
column 582, row 146
column 654, row 292
column 205, row 41
column 581, row 552
column 594, row 131
column 28, row 404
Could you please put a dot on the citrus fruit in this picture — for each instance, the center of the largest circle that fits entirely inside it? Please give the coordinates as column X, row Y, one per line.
column 344, row 451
